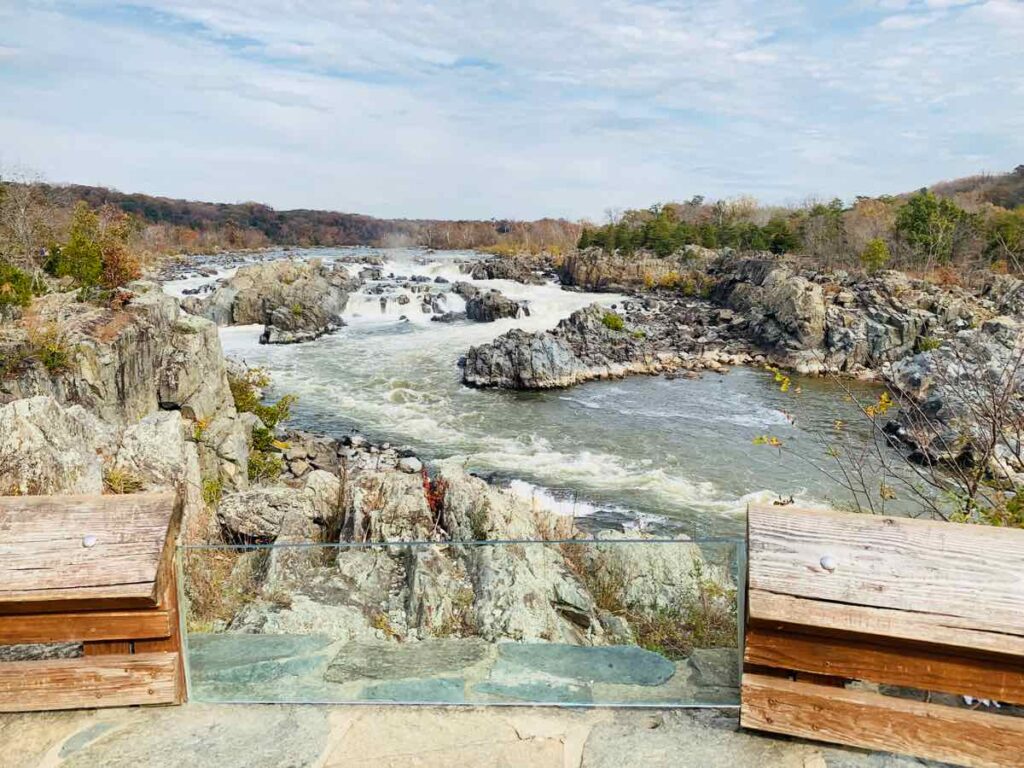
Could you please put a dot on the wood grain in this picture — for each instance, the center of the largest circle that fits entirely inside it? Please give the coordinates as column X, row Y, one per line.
column 913, row 666
column 928, row 568
column 863, row 719
column 149, row 678
column 45, row 567
column 781, row 611
column 88, row 626
column 173, row 641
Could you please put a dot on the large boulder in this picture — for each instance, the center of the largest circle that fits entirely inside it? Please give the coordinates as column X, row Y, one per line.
column 389, row 506
column 596, row 270
column 48, row 449
column 787, row 311
column 522, row 592
column 494, row 305
column 294, row 300
column 518, row 269
column 586, row 345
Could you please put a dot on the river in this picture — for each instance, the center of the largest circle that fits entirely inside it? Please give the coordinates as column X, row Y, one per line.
column 666, row 454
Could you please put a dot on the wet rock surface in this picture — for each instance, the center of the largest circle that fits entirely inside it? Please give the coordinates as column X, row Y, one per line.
column 638, row 337
column 294, row 300
column 491, row 305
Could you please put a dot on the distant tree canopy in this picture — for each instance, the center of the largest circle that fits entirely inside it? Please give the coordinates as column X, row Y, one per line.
column 197, row 226
column 961, row 223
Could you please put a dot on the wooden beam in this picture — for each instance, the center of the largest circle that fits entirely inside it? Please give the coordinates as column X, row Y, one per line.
column 911, row 666
column 944, row 571
column 88, row 626
column 172, row 642
column 827, row 618
column 46, row 567
column 99, row 681
column 873, row 721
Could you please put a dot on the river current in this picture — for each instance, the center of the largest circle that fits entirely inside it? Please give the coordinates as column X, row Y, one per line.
column 669, row 454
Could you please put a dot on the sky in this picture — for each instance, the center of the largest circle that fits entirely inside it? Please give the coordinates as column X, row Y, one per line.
column 480, row 109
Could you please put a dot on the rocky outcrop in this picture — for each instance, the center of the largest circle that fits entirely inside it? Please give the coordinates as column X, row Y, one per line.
column 786, row 312
column 582, row 347
column 488, row 306
column 595, row 270
column 47, row 449
column 964, row 398
column 602, row 343
column 127, row 363
column 815, row 322
column 50, row 449
column 294, row 300
column 519, row 270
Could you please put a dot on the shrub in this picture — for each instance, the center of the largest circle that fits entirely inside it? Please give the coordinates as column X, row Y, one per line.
column 264, row 465
column 613, row 322
column 875, row 255
column 212, row 491
column 928, row 343
column 264, row 461
column 81, row 257
column 121, row 481
column 50, row 348
column 16, row 286
column 97, row 252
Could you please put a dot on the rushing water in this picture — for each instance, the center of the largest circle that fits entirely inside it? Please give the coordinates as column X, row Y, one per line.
column 642, row 448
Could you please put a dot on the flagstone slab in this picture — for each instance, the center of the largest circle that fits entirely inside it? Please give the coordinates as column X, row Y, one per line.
column 621, row 664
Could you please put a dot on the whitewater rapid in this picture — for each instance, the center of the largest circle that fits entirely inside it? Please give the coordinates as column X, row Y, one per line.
column 638, row 451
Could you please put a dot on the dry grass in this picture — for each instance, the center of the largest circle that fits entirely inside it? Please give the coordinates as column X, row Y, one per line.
column 703, row 617
column 119, row 481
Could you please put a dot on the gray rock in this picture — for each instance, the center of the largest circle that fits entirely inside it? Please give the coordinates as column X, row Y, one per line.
column 410, row 464
column 48, row 449
column 259, row 514
column 430, row 691
column 493, row 305
column 715, row 667
column 624, row 665
column 401, row 661
column 582, row 347
column 294, row 300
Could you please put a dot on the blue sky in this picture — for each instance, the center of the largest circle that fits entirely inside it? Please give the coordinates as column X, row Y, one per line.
column 524, row 109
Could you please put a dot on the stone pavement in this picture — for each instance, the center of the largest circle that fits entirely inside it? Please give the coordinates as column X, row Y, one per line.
column 290, row 736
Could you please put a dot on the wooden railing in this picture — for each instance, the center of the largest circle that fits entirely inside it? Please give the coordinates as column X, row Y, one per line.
column 97, row 570
column 867, row 631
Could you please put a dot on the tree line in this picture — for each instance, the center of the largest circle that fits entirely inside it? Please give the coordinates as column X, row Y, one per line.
column 977, row 221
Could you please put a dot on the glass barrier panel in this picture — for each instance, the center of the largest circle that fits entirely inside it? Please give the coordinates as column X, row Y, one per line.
column 612, row 621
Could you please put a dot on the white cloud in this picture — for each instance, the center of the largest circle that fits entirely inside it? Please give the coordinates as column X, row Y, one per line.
column 476, row 109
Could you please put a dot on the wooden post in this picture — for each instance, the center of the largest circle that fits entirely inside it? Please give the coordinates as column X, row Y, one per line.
column 925, row 605
column 95, row 569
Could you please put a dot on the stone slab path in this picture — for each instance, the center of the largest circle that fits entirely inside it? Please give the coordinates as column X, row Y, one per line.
column 291, row 736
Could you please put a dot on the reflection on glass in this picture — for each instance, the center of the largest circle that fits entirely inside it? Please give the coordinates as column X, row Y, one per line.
column 617, row 620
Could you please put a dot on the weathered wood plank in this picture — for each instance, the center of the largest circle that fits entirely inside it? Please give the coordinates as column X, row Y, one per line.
column 45, row 567
column 933, row 568
column 88, row 626
column 912, row 665
column 873, row 721
column 770, row 609
column 169, row 600
column 105, row 681
column 108, row 648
